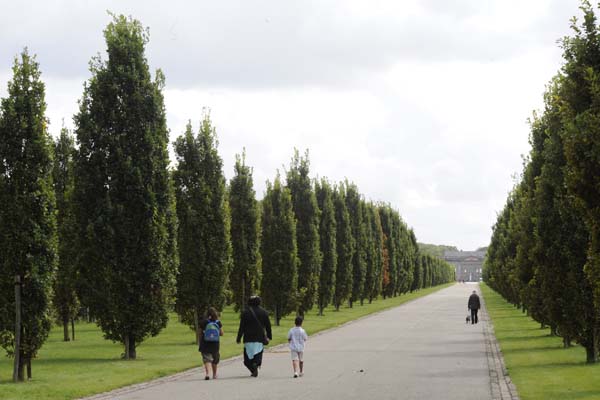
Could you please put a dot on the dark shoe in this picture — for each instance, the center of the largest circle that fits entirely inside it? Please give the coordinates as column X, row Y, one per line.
column 206, row 378
column 254, row 372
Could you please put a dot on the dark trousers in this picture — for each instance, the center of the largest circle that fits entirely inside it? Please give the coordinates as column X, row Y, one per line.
column 255, row 362
column 474, row 319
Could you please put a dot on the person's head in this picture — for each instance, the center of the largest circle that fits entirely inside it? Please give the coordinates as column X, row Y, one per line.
column 212, row 313
column 474, row 291
column 298, row 321
column 254, row 301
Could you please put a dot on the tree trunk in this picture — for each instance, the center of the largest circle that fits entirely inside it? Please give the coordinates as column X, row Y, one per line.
column 350, row 303
column 553, row 330
column 18, row 367
column 591, row 354
column 132, row 350
column 29, row 368
column 21, row 374
column 126, row 340
column 362, row 301
column 566, row 342
column 66, row 337
column 73, row 329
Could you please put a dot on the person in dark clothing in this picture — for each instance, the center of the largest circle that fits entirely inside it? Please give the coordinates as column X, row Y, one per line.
column 474, row 305
column 211, row 329
column 255, row 329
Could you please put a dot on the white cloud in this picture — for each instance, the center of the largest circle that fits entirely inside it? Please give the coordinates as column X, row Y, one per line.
column 423, row 103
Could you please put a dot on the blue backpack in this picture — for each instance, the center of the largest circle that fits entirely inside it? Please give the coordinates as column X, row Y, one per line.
column 212, row 331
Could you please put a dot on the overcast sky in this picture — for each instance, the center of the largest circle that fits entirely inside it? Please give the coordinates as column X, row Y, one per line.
column 422, row 103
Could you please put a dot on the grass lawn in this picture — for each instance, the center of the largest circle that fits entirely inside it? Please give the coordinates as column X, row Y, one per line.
column 537, row 363
column 89, row 365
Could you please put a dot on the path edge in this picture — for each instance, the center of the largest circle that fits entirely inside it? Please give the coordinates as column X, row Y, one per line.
column 502, row 387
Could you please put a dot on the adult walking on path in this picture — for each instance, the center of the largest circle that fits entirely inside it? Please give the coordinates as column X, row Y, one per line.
column 474, row 305
column 421, row 350
column 255, row 329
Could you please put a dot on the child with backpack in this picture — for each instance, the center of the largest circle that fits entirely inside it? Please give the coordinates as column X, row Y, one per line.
column 211, row 329
column 296, row 338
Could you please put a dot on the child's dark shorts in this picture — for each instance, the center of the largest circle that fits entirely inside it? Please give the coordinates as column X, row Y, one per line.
column 212, row 358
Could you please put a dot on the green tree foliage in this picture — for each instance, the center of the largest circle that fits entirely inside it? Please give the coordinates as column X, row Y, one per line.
column 65, row 300
column 354, row 203
column 544, row 255
column 278, row 251
column 580, row 97
column 561, row 241
column 245, row 275
column 435, row 250
column 390, row 266
column 374, row 272
column 203, row 234
column 406, row 258
column 124, row 197
column 306, row 212
column 344, row 247
column 327, row 236
column 27, row 211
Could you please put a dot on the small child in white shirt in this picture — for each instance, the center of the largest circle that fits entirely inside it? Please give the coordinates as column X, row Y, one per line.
column 296, row 338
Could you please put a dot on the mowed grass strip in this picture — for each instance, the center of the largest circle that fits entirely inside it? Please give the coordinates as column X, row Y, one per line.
column 90, row 364
column 536, row 361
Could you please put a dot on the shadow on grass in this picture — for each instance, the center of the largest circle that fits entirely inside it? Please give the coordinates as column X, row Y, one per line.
column 557, row 365
column 87, row 361
column 527, row 338
column 517, row 329
column 533, row 349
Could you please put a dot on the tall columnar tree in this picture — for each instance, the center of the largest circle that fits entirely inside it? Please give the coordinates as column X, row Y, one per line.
column 327, row 236
column 124, row 198
column 245, row 275
column 390, row 252
column 203, row 234
column 354, row 204
column 560, row 241
column 65, row 300
column 306, row 212
column 398, row 252
column 27, row 212
column 412, row 259
column 580, row 95
column 278, row 251
column 344, row 247
column 374, row 274
column 543, row 255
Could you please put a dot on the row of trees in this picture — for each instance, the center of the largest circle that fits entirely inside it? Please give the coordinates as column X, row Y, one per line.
column 105, row 225
column 544, row 254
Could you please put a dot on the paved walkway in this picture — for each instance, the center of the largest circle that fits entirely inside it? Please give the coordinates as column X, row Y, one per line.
column 420, row 350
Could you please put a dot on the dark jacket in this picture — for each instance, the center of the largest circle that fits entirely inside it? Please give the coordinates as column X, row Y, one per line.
column 250, row 329
column 474, row 302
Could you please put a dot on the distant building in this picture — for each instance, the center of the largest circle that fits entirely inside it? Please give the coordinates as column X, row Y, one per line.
column 467, row 264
